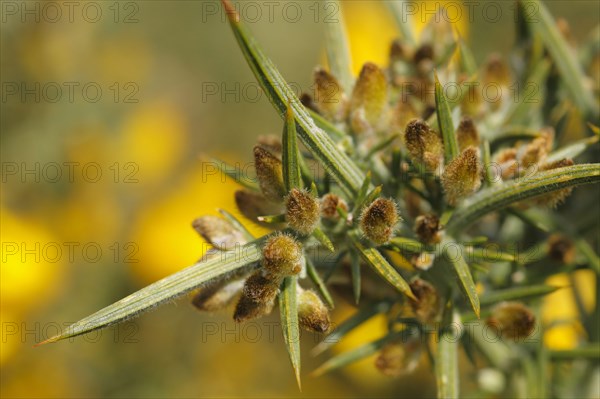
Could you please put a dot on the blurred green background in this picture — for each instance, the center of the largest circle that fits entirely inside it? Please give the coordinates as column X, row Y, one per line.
column 106, row 110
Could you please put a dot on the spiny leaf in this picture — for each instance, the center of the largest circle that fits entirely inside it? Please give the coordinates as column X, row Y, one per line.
column 489, row 255
column 566, row 61
column 323, row 239
column 234, row 173
column 350, row 324
column 518, row 293
column 289, row 322
column 498, row 197
column 164, row 290
column 356, row 276
column 381, row 266
column 467, row 60
column 279, row 92
column 354, row 355
column 572, row 150
column 589, row 352
column 338, row 50
column 319, row 283
column 446, row 361
column 464, row 274
column 290, row 164
column 403, row 20
column 444, row 119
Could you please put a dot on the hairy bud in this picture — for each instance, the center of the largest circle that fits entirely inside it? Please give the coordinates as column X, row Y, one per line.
column 496, row 71
column 428, row 306
column 269, row 173
column 218, row 296
column 312, row 313
column 399, row 358
column 427, row 228
column 555, row 198
column 377, row 221
column 329, row 99
column 467, row 134
column 561, row 249
column 536, row 151
column 218, row 232
column 512, row 319
column 302, row 211
column 423, row 144
column 282, row 256
column 507, row 163
column 329, row 206
column 369, row 99
column 258, row 297
column 462, row 176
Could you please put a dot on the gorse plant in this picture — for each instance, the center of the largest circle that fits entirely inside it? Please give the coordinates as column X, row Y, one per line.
column 418, row 178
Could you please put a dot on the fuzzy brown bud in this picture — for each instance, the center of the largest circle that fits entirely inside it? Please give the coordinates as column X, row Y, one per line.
column 329, row 99
column 258, row 297
column 427, row 228
column 218, row 232
column 269, row 173
column 377, row 221
column 282, row 256
column 555, row 198
column 561, row 249
column 536, row 151
column 467, row 134
column 496, row 71
column 512, row 319
column 329, row 206
column 399, row 358
column 312, row 313
column 369, row 99
column 508, row 166
column 423, row 144
column 462, row 176
column 428, row 306
column 302, row 211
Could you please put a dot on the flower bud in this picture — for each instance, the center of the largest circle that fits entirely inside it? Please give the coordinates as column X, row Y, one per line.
column 218, row 232
column 329, row 99
column 496, row 71
column 467, row 134
column 252, row 205
column 329, row 206
column 422, row 261
column 536, row 151
column 269, row 173
column 428, row 306
column 282, row 256
column 427, row 228
column 507, row 163
column 512, row 320
column 377, row 221
column 462, row 176
column 399, row 358
column 218, row 296
column 312, row 313
column 369, row 99
column 561, row 249
column 258, row 297
column 555, row 198
column 423, row 144
column 302, row 211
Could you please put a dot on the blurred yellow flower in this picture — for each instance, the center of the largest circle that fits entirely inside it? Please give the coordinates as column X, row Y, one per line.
column 167, row 243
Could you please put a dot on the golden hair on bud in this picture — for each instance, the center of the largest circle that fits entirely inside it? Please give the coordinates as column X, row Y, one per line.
column 462, row 176
column 329, row 97
column 377, row 221
column 312, row 312
column 467, row 134
column 282, row 256
column 218, row 232
column 553, row 199
column 427, row 228
column 423, row 144
column 258, row 297
column 428, row 306
column 329, row 206
column 270, row 174
column 512, row 320
column 302, row 211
